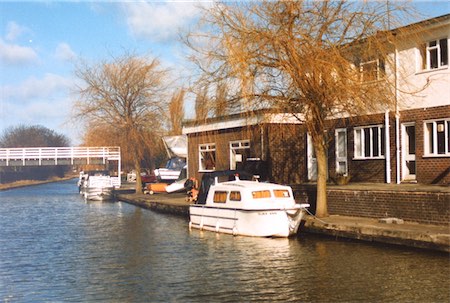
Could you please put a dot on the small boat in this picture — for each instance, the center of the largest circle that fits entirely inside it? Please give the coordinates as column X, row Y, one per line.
column 178, row 185
column 171, row 172
column 245, row 207
column 96, row 185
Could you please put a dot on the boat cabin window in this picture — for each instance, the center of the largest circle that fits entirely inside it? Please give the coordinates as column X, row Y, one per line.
column 261, row 194
column 281, row 193
column 220, row 197
column 235, row 196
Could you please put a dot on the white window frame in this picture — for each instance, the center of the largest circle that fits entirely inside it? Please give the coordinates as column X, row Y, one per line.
column 359, row 142
column 380, row 73
column 426, row 66
column 342, row 158
column 237, row 145
column 434, row 137
column 208, row 147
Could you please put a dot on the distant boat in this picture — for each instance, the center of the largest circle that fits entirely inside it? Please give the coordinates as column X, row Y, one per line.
column 176, row 147
column 96, row 185
column 245, row 207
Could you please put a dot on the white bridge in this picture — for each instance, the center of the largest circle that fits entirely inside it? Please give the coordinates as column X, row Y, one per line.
column 40, row 156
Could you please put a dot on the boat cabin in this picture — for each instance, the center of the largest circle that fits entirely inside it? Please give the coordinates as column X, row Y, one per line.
column 249, row 195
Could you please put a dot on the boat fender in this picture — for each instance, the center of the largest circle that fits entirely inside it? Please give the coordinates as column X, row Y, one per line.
column 217, row 227
column 190, row 225
column 234, row 231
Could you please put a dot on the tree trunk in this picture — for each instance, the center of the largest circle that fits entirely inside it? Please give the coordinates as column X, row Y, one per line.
column 321, row 202
column 137, row 168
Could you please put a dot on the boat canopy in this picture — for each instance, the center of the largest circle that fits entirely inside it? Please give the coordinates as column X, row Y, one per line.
column 176, row 146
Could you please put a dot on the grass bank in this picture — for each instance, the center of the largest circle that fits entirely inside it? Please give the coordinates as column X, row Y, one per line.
column 24, row 183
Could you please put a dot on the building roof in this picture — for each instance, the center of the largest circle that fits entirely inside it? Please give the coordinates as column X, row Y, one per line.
column 240, row 120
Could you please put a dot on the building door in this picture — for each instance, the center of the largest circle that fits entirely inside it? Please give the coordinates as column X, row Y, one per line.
column 312, row 161
column 341, row 151
column 409, row 152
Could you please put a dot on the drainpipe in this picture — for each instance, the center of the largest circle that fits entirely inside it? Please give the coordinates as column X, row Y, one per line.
column 263, row 154
column 397, row 121
column 387, row 147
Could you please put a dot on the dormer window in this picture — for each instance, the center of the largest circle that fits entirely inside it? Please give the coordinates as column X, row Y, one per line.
column 372, row 70
column 434, row 54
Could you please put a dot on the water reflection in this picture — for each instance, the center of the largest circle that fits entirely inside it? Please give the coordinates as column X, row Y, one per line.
column 56, row 247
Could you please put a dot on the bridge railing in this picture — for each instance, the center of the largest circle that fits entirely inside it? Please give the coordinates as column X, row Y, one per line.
column 32, row 156
column 55, row 153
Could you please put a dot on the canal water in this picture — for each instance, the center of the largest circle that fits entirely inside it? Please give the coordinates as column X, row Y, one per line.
column 54, row 247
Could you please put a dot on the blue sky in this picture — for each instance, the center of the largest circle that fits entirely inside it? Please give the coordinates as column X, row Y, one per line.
column 41, row 41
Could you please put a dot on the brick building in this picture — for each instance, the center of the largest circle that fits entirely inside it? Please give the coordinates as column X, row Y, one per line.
column 410, row 143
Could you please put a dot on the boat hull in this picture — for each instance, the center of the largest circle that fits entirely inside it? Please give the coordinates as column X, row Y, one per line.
column 99, row 193
column 247, row 222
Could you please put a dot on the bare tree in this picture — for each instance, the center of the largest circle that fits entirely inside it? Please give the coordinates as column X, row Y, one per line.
column 176, row 112
column 128, row 94
column 106, row 135
column 303, row 58
column 221, row 105
column 31, row 136
column 202, row 103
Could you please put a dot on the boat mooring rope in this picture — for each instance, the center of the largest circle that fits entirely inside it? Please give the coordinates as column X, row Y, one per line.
column 315, row 216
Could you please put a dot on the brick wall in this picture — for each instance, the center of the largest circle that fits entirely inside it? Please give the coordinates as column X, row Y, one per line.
column 286, row 153
column 429, row 170
column 222, row 140
column 421, row 207
column 368, row 170
column 413, row 206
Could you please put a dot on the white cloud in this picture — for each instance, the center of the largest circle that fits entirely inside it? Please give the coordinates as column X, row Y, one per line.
column 159, row 21
column 33, row 87
column 46, row 101
column 40, row 112
column 14, row 30
column 14, row 54
column 64, row 52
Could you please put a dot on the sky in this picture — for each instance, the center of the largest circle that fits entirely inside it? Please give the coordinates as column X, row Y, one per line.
column 41, row 41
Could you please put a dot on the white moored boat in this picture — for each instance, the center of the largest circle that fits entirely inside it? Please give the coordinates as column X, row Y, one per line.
column 244, row 207
column 96, row 185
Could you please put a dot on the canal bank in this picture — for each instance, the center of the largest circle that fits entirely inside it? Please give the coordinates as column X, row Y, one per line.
column 390, row 231
column 26, row 183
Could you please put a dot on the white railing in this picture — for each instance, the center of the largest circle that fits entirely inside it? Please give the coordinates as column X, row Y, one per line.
column 51, row 156
column 116, row 182
column 57, row 153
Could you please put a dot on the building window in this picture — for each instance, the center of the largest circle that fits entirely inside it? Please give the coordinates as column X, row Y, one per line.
column 372, row 70
column 207, row 157
column 369, row 142
column 434, row 54
column 436, row 137
column 239, row 152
